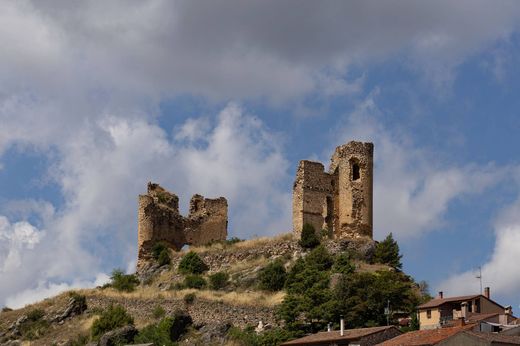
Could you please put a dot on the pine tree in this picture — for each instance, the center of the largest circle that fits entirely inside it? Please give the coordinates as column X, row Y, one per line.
column 387, row 252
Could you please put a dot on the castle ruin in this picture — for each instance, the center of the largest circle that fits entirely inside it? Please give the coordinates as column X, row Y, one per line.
column 340, row 200
column 159, row 220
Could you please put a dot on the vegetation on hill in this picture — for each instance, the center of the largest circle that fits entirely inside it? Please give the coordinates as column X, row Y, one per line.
column 123, row 282
column 321, row 288
column 272, row 277
column 305, row 288
column 161, row 253
column 191, row 263
column 110, row 319
column 309, row 239
column 387, row 252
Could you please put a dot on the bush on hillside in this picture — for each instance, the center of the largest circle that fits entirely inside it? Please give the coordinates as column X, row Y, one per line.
column 342, row 264
column 161, row 253
column 158, row 334
column 113, row 317
column 194, row 281
column 35, row 315
column 159, row 312
column 272, row 277
column 79, row 299
column 320, row 258
column 123, row 282
column 387, row 252
column 218, row 280
column 191, row 263
column 189, row 298
column 309, row 239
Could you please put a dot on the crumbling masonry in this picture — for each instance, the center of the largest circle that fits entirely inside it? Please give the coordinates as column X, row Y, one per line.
column 338, row 201
column 159, row 220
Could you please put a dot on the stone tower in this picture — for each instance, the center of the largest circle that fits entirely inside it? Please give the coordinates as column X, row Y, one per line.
column 340, row 200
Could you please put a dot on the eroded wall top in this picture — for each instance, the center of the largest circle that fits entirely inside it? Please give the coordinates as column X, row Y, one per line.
column 159, row 220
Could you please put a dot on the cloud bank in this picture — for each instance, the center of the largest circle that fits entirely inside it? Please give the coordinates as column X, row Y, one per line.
column 103, row 169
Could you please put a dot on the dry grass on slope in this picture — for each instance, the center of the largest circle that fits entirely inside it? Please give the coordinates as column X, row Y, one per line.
column 245, row 244
column 253, row 298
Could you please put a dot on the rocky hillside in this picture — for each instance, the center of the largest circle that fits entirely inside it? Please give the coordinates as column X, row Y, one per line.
column 67, row 320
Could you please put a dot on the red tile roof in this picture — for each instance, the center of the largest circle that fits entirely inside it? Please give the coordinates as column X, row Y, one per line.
column 350, row 334
column 506, row 339
column 476, row 317
column 425, row 337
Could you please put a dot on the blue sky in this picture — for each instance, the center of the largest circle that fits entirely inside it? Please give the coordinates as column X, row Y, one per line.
column 225, row 98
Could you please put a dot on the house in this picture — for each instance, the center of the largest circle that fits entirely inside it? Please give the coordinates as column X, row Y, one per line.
column 461, row 335
column 347, row 337
column 426, row 337
column 442, row 311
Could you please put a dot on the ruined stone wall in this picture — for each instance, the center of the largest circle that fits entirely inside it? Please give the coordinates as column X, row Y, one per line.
column 339, row 201
column 312, row 189
column 159, row 220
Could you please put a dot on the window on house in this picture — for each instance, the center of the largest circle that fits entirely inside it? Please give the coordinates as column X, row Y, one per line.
column 428, row 313
column 477, row 305
column 470, row 306
column 355, row 171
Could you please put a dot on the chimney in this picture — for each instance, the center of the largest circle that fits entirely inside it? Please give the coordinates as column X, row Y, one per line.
column 486, row 292
column 328, row 327
column 341, row 326
column 508, row 310
column 440, row 295
column 463, row 310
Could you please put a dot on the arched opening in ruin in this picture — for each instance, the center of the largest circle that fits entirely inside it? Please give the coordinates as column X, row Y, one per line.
column 355, row 170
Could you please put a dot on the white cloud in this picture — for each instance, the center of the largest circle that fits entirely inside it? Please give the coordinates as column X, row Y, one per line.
column 103, row 168
column 14, row 240
column 412, row 187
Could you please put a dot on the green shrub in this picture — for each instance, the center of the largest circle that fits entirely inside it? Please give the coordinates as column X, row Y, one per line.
column 218, row 280
column 80, row 299
column 35, row 315
column 194, row 281
column 309, row 239
column 189, row 298
column 342, row 264
column 320, row 258
column 112, row 318
column 161, row 253
column 158, row 334
column 164, row 258
column 191, row 263
column 122, row 282
column 159, row 312
column 272, row 277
